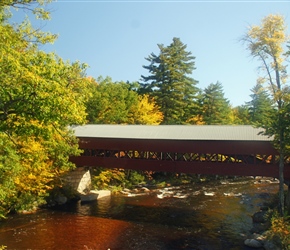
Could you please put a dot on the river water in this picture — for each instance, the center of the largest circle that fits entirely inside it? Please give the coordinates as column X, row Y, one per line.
column 201, row 216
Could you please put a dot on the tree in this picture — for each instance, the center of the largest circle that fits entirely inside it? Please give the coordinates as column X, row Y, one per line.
column 240, row 115
column 116, row 103
column 112, row 103
column 147, row 111
column 260, row 107
column 37, row 7
column 169, row 82
column 40, row 96
column 216, row 108
column 266, row 43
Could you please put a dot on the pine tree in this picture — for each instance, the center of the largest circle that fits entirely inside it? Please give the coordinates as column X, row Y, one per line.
column 169, row 82
column 216, row 108
column 260, row 107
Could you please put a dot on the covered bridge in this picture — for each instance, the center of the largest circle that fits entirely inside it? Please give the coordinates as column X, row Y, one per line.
column 201, row 149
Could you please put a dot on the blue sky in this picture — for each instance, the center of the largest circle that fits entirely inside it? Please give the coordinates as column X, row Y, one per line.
column 114, row 37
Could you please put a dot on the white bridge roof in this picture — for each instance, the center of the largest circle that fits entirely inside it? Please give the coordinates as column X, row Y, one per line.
column 173, row 132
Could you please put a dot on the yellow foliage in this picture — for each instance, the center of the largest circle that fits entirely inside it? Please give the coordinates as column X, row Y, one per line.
column 269, row 37
column 280, row 230
column 196, row 120
column 41, row 95
column 109, row 177
column 37, row 171
column 147, row 111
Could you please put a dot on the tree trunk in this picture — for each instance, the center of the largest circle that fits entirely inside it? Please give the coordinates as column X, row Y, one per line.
column 281, row 166
column 288, row 197
column 281, row 185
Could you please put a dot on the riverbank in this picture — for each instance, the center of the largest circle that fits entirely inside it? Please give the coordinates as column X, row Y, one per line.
column 270, row 231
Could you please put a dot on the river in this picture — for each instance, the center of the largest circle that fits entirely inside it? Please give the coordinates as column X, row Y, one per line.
column 201, row 216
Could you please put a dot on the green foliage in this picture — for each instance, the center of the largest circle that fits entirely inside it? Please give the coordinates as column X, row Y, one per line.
column 37, row 7
column 280, row 230
column 116, row 179
column 105, row 178
column 111, row 103
column 240, row 115
column 169, row 82
column 216, row 108
column 134, row 178
column 266, row 43
column 260, row 107
column 116, row 103
column 10, row 168
column 40, row 96
column 161, row 184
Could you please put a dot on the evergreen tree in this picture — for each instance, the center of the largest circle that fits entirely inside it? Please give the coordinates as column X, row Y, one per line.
column 260, row 107
column 240, row 115
column 216, row 108
column 169, row 82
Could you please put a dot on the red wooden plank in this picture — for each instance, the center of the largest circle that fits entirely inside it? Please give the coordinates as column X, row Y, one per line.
column 208, row 168
column 182, row 146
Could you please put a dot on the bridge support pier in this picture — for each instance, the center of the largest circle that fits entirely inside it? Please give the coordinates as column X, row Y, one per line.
column 80, row 180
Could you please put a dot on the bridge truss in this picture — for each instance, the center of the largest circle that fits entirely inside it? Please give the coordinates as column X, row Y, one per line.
column 239, row 158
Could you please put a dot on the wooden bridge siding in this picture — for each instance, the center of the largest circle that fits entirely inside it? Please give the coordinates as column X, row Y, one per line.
column 181, row 146
column 194, row 167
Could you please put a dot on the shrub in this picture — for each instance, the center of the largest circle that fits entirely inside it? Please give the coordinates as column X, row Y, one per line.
column 135, row 178
column 279, row 232
column 105, row 178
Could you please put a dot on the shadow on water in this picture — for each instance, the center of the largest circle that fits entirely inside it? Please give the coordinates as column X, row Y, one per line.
column 199, row 221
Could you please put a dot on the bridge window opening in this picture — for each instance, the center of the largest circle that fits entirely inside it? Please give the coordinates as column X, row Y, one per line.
column 86, row 152
column 263, row 158
column 169, row 156
column 127, row 154
column 143, row 154
column 211, row 157
column 185, row 157
column 202, row 157
column 155, row 155
column 275, row 159
column 182, row 157
column 194, row 157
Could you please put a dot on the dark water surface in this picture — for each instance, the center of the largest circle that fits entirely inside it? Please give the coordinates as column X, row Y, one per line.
column 197, row 216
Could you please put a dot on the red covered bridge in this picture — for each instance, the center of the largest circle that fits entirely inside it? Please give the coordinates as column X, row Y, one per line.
column 202, row 149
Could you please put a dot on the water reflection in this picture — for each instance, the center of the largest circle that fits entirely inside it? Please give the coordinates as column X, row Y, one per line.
column 186, row 218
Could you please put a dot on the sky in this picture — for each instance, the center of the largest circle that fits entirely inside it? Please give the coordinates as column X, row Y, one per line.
column 115, row 37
